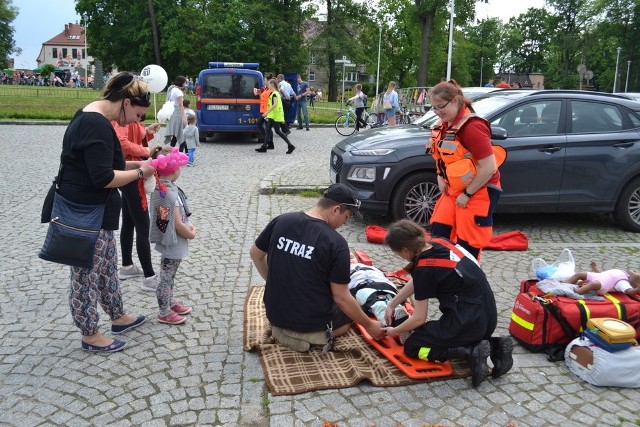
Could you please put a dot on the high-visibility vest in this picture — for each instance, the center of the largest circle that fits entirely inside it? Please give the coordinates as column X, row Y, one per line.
column 453, row 161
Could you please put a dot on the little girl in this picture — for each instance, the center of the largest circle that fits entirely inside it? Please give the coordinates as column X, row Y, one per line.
column 170, row 231
column 439, row 269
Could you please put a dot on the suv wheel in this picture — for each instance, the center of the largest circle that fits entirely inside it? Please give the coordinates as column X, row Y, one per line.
column 415, row 197
column 627, row 212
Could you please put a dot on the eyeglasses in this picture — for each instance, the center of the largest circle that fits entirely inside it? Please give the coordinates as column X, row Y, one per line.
column 436, row 108
column 355, row 205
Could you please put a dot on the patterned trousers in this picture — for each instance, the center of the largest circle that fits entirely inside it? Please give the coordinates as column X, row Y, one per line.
column 164, row 291
column 97, row 284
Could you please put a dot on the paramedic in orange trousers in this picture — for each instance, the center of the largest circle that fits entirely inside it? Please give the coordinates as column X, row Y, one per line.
column 468, row 175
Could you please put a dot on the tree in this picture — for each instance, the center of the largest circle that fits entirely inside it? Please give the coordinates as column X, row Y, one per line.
column 336, row 38
column 184, row 36
column 484, row 40
column 572, row 22
column 8, row 13
column 526, row 40
column 426, row 13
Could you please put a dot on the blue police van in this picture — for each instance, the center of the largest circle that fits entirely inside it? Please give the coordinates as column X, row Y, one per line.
column 226, row 100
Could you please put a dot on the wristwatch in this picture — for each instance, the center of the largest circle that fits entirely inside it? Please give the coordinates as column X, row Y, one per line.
column 140, row 173
column 466, row 193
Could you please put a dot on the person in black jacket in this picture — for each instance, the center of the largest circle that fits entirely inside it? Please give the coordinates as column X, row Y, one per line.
column 439, row 269
column 92, row 167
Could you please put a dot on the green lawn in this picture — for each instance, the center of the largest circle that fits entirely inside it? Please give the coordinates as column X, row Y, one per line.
column 60, row 103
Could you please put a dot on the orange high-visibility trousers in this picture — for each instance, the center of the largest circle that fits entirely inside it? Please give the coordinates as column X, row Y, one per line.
column 471, row 223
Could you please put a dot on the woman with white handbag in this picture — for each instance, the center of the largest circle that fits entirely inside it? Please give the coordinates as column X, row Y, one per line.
column 178, row 120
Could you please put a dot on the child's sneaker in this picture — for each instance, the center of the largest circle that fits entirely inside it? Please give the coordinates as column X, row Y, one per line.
column 149, row 284
column 172, row 318
column 130, row 271
column 180, row 309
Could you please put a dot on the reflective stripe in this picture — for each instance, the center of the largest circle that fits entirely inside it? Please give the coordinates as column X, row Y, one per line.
column 448, row 146
column 585, row 314
column 436, row 262
column 423, row 353
column 615, row 302
column 520, row 321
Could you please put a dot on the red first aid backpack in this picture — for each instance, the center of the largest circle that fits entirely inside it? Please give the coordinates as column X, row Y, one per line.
column 548, row 323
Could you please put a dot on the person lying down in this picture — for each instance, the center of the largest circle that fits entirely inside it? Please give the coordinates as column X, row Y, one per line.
column 373, row 291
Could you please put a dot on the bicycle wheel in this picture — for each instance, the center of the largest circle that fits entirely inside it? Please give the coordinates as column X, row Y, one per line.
column 345, row 125
column 371, row 119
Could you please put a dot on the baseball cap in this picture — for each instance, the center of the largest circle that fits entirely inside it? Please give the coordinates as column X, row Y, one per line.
column 345, row 196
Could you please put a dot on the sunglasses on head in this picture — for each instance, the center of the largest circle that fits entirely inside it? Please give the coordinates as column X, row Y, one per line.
column 143, row 99
column 355, row 205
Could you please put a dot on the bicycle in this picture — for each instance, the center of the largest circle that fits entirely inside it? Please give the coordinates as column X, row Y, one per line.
column 403, row 116
column 346, row 122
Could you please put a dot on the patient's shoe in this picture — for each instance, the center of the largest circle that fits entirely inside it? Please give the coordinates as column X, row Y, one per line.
column 400, row 315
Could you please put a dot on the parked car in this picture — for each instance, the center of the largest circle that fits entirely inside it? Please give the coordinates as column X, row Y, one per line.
column 568, row 151
column 631, row 95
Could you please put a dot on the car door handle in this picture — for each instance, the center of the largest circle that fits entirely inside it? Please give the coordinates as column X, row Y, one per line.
column 549, row 149
column 623, row 144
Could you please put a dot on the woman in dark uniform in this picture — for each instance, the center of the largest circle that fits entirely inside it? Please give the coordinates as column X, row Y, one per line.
column 439, row 269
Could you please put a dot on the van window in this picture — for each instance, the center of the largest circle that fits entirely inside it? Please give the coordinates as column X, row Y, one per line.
column 229, row 85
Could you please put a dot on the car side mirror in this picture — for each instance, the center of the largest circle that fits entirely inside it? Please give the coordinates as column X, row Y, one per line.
column 498, row 133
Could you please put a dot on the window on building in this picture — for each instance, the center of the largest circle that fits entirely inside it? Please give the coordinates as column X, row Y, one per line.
column 83, row 54
column 74, row 53
column 312, row 60
column 352, row 77
column 64, row 52
column 54, row 52
column 312, row 76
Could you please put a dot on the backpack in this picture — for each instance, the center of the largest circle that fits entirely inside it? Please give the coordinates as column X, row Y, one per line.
column 364, row 99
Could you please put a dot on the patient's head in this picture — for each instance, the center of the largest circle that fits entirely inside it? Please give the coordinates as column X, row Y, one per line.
column 353, row 258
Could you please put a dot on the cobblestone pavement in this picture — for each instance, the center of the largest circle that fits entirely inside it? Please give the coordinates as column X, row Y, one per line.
column 197, row 373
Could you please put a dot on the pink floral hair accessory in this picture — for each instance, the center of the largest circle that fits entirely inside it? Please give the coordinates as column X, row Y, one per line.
column 168, row 164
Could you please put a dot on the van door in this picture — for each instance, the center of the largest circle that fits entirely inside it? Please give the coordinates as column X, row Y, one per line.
column 228, row 102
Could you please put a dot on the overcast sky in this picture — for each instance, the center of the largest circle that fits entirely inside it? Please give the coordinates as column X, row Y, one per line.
column 33, row 25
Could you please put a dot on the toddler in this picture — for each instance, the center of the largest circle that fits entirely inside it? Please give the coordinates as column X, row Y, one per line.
column 606, row 281
column 191, row 138
column 170, row 231
column 373, row 291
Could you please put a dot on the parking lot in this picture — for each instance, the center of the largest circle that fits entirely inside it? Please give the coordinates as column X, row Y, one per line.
column 197, row 373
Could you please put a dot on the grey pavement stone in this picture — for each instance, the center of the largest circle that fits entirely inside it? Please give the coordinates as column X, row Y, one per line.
column 197, row 374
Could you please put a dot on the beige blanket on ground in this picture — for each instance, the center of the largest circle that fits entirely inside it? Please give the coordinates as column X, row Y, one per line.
column 353, row 360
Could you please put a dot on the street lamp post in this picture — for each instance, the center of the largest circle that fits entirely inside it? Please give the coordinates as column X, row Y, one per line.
column 451, row 12
column 615, row 78
column 86, row 55
column 379, row 47
column 345, row 63
column 481, row 66
column 626, row 85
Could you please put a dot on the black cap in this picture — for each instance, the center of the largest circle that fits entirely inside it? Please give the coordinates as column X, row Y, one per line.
column 345, row 196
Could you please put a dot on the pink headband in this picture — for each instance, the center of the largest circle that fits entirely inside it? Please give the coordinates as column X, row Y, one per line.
column 168, row 164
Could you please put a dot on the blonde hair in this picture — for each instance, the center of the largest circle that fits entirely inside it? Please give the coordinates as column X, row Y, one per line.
column 391, row 87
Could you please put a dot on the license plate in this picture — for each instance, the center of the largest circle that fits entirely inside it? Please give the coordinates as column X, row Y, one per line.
column 217, row 107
